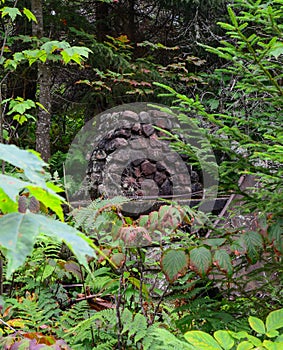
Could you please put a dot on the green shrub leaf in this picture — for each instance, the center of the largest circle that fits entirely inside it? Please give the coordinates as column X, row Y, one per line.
column 257, row 325
column 200, row 260
column 254, row 244
column 245, row 345
column 174, row 263
column 19, row 231
column 274, row 320
column 224, row 339
column 28, row 161
column 202, row 341
column 270, row 345
column 223, row 261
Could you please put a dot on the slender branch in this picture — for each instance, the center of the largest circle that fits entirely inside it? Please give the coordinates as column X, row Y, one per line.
column 118, row 300
column 158, row 304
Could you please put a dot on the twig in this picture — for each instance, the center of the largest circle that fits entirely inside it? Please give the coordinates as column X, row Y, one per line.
column 226, row 206
column 118, row 314
column 158, row 304
column 13, row 329
column 141, row 283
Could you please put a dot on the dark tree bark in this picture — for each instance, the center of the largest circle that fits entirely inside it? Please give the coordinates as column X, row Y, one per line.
column 44, row 80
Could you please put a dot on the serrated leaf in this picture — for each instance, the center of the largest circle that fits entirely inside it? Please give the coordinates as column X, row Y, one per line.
column 200, row 260
column 202, row 340
column 257, row 325
column 50, row 46
column 254, row 244
column 174, row 263
column 118, row 259
column 214, row 242
column 223, row 261
column 224, row 339
column 275, row 236
column 50, row 200
column 19, row 231
column 12, row 12
column 274, row 320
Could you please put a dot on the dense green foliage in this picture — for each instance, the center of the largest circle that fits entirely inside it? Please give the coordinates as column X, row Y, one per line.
column 175, row 278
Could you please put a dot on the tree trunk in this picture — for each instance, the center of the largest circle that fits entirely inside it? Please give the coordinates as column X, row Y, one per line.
column 44, row 81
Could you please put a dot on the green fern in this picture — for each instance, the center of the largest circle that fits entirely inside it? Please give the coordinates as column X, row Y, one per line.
column 35, row 311
column 81, row 325
column 135, row 332
column 85, row 217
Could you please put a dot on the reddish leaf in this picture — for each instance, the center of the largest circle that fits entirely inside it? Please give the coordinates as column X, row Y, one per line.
column 200, row 260
column 118, row 259
column 174, row 263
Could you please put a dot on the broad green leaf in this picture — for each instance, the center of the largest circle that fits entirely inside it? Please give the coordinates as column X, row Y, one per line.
column 272, row 334
column 28, row 161
column 30, row 16
column 12, row 186
column 19, row 56
column 50, row 46
column 10, row 64
column 270, row 345
column 75, row 53
column 19, row 231
column 254, row 340
column 168, row 340
column 274, row 320
column 6, row 204
column 35, row 55
column 50, row 200
column 239, row 335
column 245, row 345
column 12, row 12
column 202, row 341
column 223, row 261
column 224, row 339
column 174, row 263
column 136, row 282
column 20, row 105
column 200, row 260
column 257, row 325
column 82, row 51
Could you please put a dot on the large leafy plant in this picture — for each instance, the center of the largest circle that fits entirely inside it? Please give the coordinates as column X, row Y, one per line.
column 21, row 226
column 261, row 336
